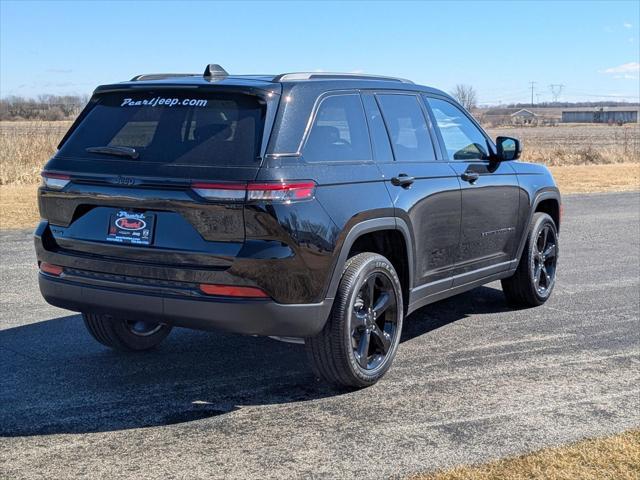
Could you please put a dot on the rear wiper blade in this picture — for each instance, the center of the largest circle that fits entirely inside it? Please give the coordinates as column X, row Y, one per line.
column 119, row 151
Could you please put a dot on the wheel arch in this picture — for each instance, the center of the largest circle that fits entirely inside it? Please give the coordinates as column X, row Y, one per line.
column 550, row 206
column 549, row 199
column 361, row 230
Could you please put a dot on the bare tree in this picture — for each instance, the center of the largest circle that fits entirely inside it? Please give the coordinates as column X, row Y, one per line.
column 43, row 107
column 465, row 95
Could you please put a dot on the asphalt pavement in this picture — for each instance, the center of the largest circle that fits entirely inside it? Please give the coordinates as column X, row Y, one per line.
column 474, row 380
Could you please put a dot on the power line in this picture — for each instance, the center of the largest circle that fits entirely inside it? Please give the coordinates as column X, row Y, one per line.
column 580, row 94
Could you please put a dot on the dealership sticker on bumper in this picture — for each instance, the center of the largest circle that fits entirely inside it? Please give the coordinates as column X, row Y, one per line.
column 129, row 227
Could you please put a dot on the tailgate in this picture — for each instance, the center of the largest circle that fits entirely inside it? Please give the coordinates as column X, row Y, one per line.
column 131, row 161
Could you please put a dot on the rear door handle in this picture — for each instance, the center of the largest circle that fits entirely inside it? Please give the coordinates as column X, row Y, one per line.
column 402, row 180
column 470, row 176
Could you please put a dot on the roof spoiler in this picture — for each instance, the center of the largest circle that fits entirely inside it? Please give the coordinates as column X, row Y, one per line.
column 214, row 70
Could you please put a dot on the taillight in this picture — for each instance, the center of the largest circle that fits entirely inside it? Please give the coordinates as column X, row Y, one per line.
column 55, row 270
column 55, row 181
column 283, row 192
column 220, row 191
column 232, row 291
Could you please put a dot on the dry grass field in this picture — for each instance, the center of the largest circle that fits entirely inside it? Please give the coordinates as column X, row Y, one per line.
column 583, row 158
column 577, row 144
column 25, row 147
column 613, row 458
column 18, row 207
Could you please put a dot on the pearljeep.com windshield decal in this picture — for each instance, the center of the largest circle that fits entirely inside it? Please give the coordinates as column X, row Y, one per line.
column 166, row 102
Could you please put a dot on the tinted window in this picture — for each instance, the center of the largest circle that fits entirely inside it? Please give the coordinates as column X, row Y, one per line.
column 176, row 128
column 462, row 139
column 407, row 128
column 339, row 131
column 379, row 138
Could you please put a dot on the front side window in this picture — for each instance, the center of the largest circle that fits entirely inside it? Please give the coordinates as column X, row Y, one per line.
column 339, row 131
column 407, row 128
column 462, row 139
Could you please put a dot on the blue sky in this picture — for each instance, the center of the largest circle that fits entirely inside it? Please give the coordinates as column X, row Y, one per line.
column 498, row 47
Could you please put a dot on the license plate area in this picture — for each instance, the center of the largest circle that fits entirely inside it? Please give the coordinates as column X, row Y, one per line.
column 131, row 227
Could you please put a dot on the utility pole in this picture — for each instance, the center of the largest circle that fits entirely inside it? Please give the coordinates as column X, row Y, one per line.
column 532, row 84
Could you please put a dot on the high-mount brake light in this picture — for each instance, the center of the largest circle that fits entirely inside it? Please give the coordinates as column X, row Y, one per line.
column 232, row 291
column 48, row 268
column 283, row 192
column 55, row 181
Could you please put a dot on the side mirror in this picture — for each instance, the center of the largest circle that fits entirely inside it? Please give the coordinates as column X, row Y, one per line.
column 508, row 148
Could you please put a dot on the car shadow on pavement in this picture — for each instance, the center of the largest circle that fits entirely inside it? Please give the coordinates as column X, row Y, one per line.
column 56, row 379
column 481, row 300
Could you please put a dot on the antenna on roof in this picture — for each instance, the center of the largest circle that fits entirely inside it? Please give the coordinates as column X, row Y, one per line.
column 215, row 70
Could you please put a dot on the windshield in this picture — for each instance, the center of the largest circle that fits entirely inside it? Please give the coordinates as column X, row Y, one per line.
column 171, row 127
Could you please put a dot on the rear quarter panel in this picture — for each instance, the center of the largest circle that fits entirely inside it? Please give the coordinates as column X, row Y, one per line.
column 346, row 194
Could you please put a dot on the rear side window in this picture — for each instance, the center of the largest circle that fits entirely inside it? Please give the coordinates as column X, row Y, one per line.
column 178, row 128
column 407, row 128
column 462, row 139
column 339, row 131
column 379, row 138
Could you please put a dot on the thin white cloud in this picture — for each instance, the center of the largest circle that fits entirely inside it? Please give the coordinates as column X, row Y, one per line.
column 627, row 25
column 626, row 76
column 625, row 68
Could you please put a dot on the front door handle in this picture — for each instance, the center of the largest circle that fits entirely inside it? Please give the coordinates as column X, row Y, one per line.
column 470, row 177
column 402, row 180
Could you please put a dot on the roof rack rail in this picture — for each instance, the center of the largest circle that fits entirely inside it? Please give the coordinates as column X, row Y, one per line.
column 160, row 76
column 283, row 77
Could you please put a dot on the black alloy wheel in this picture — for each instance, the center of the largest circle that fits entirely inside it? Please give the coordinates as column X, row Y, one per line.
column 358, row 343
column 544, row 260
column 374, row 321
column 533, row 281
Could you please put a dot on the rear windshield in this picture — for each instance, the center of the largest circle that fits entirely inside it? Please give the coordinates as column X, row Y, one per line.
column 177, row 128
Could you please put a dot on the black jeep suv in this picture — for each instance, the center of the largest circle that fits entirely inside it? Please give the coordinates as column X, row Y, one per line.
column 315, row 206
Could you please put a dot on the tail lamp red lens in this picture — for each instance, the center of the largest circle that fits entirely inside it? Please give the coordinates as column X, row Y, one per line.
column 232, row 291
column 55, row 181
column 282, row 192
column 50, row 269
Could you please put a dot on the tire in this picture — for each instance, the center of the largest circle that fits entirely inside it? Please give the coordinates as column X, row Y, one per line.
column 537, row 262
column 123, row 334
column 352, row 328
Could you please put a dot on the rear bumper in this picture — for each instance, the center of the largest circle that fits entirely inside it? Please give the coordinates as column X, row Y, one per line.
column 246, row 316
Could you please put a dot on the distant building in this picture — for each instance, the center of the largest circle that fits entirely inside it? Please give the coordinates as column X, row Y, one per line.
column 601, row 115
column 524, row 117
